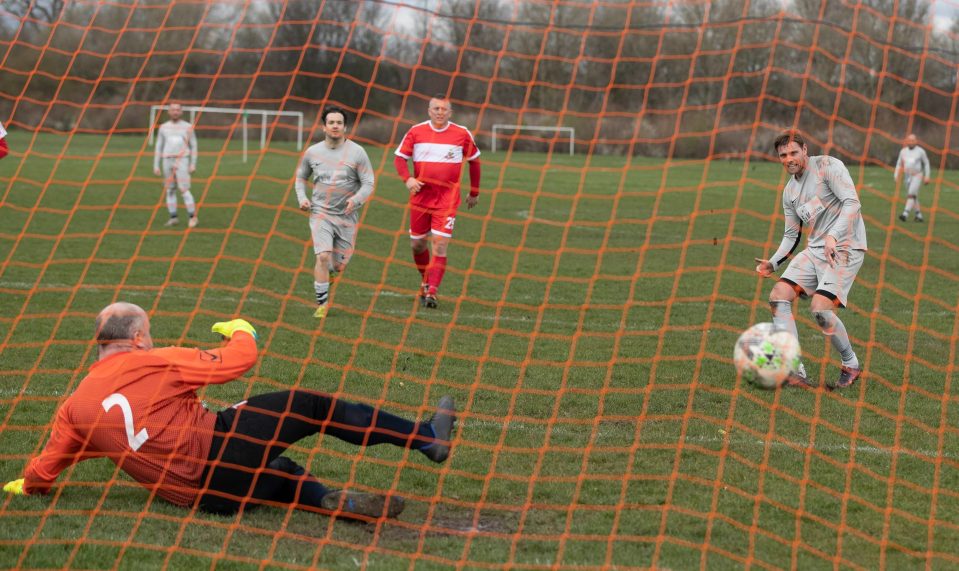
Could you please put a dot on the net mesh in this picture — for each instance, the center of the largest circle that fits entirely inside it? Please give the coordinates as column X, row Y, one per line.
column 587, row 318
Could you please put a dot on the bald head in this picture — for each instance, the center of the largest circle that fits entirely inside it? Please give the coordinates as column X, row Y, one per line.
column 123, row 322
column 911, row 141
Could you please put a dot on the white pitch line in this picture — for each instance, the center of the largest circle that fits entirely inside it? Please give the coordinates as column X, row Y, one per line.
column 185, row 294
column 566, row 430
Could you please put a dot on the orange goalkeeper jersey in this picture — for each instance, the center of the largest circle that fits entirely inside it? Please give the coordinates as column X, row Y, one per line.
column 140, row 410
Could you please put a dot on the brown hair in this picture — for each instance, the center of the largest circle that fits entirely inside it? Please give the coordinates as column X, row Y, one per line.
column 787, row 137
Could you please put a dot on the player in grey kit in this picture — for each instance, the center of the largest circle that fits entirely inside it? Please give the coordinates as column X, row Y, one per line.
column 175, row 159
column 821, row 196
column 342, row 178
column 913, row 164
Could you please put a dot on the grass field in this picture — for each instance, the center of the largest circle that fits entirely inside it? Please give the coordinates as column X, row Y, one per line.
column 586, row 328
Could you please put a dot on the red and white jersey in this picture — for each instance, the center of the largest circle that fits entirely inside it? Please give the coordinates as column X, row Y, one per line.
column 438, row 157
column 140, row 410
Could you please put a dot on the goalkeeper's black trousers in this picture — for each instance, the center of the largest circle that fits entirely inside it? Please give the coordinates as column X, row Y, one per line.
column 246, row 467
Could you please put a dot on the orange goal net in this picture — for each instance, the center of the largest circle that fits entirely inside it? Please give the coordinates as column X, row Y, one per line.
column 591, row 299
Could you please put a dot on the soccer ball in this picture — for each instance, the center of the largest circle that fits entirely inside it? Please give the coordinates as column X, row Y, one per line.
column 765, row 355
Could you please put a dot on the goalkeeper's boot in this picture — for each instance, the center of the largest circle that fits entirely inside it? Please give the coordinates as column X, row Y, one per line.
column 350, row 504
column 442, row 424
column 919, row 217
column 320, row 312
column 847, row 378
column 173, row 221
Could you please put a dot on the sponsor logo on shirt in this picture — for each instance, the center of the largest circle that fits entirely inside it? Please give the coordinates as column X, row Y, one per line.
column 809, row 211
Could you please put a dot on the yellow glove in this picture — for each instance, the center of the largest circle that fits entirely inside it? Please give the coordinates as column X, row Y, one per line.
column 15, row 487
column 228, row 328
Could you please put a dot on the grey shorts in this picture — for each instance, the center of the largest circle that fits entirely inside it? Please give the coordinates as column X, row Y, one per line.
column 176, row 173
column 913, row 183
column 811, row 272
column 336, row 234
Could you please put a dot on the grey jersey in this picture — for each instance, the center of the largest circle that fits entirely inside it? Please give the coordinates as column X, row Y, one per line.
column 824, row 201
column 175, row 139
column 337, row 175
column 913, row 162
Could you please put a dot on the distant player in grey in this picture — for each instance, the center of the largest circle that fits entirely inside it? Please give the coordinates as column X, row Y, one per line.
column 342, row 179
column 820, row 196
column 913, row 165
column 175, row 159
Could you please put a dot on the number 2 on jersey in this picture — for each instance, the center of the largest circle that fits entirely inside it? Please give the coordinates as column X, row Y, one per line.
column 135, row 440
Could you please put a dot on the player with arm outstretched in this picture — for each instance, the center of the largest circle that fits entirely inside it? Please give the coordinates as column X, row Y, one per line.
column 342, row 182
column 819, row 196
column 913, row 166
column 138, row 407
column 438, row 148
column 174, row 158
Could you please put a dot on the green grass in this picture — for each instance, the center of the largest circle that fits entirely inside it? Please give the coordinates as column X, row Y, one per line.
column 586, row 328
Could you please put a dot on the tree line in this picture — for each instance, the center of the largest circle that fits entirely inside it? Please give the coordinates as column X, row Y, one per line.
column 662, row 79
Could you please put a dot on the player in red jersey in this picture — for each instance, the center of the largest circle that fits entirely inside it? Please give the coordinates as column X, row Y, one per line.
column 4, row 149
column 438, row 148
column 138, row 407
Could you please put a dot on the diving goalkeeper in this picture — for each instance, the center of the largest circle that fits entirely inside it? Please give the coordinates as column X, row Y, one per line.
column 138, row 407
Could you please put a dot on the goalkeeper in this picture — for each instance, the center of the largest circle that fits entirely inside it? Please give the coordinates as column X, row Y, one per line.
column 138, row 407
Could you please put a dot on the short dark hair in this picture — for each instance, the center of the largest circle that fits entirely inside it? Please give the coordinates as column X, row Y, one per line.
column 335, row 109
column 117, row 327
column 788, row 137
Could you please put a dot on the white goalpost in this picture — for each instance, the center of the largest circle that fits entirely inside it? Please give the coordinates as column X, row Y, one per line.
column 263, row 113
column 571, row 132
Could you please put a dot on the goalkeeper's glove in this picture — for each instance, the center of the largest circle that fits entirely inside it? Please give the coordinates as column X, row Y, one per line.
column 228, row 328
column 15, row 487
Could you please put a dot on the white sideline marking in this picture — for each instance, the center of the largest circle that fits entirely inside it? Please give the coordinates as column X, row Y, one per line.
column 525, row 215
column 256, row 299
column 180, row 293
column 563, row 430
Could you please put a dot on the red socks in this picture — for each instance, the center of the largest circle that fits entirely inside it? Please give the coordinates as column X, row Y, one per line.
column 437, row 269
column 422, row 262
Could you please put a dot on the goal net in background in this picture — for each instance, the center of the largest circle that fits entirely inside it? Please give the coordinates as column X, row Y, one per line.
column 588, row 314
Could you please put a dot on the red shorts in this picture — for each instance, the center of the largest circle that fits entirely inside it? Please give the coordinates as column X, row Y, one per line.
column 424, row 221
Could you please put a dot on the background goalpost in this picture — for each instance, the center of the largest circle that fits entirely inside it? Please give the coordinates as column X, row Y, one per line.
column 571, row 133
column 244, row 113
